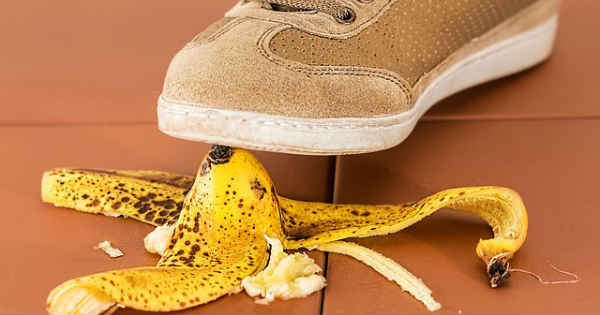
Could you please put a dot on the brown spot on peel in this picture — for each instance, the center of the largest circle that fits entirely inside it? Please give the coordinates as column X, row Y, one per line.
column 258, row 189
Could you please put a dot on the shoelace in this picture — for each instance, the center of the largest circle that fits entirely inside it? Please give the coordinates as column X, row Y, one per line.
column 331, row 7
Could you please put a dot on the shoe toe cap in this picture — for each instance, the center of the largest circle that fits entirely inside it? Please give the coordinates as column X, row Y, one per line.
column 235, row 71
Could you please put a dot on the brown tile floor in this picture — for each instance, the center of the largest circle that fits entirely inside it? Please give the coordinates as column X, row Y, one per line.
column 80, row 82
column 43, row 246
column 553, row 164
column 71, row 62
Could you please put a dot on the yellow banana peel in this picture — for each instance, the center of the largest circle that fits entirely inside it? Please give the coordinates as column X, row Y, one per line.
column 221, row 218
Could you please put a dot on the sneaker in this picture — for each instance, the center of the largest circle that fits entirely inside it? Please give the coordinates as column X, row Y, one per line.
column 329, row 77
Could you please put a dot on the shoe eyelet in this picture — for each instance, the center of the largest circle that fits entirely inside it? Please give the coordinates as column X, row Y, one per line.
column 365, row 1
column 349, row 16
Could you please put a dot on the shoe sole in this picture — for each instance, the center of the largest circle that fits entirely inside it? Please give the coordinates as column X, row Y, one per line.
column 339, row 136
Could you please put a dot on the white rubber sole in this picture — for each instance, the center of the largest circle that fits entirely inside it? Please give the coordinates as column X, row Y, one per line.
column 336, row 136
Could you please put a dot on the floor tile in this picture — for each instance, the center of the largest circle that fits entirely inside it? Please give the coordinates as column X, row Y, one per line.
column 84, row 61
column 553, row 164
column 560, row 87
column 44, row 246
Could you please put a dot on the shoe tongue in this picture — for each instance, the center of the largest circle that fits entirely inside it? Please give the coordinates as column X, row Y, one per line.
column 276, row 7
column 285, row 8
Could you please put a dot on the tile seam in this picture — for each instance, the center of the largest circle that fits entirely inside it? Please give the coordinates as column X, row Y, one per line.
column 436, row 118
column 75, row 124
column 334, row 177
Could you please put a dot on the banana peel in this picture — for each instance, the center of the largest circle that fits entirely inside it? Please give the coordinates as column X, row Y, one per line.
column 212, row 248
column 221, row 218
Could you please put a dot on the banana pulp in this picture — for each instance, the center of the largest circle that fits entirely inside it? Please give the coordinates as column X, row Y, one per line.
column 157, row 241
column 111, row 251
column 219, row 221
column 285, row 277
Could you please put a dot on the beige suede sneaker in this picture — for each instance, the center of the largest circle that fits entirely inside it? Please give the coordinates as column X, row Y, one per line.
column 329, row 77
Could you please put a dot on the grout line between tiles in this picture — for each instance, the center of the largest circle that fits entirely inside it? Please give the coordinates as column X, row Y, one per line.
column 322, row 305
column 436, row 118
column 333, row 185
column 75, row 124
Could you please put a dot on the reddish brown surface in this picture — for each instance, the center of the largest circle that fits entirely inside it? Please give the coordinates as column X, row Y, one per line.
column 554, row 166
column 43, row 246
column 80, row 80
column 92, row 61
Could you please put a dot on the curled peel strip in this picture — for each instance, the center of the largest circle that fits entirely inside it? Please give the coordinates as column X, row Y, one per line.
column 386, row 267
column 501, row 207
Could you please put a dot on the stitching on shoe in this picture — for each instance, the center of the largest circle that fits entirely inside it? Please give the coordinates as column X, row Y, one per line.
column 225, row 29
column 325, row 124
column 330, row 70
column 222, row 31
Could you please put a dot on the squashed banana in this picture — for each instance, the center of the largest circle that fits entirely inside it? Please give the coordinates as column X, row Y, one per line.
column 222, row 217
column 285, row 277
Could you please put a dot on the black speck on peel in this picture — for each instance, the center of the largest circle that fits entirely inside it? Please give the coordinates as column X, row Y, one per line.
column 205, row 168
column 220, row 154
